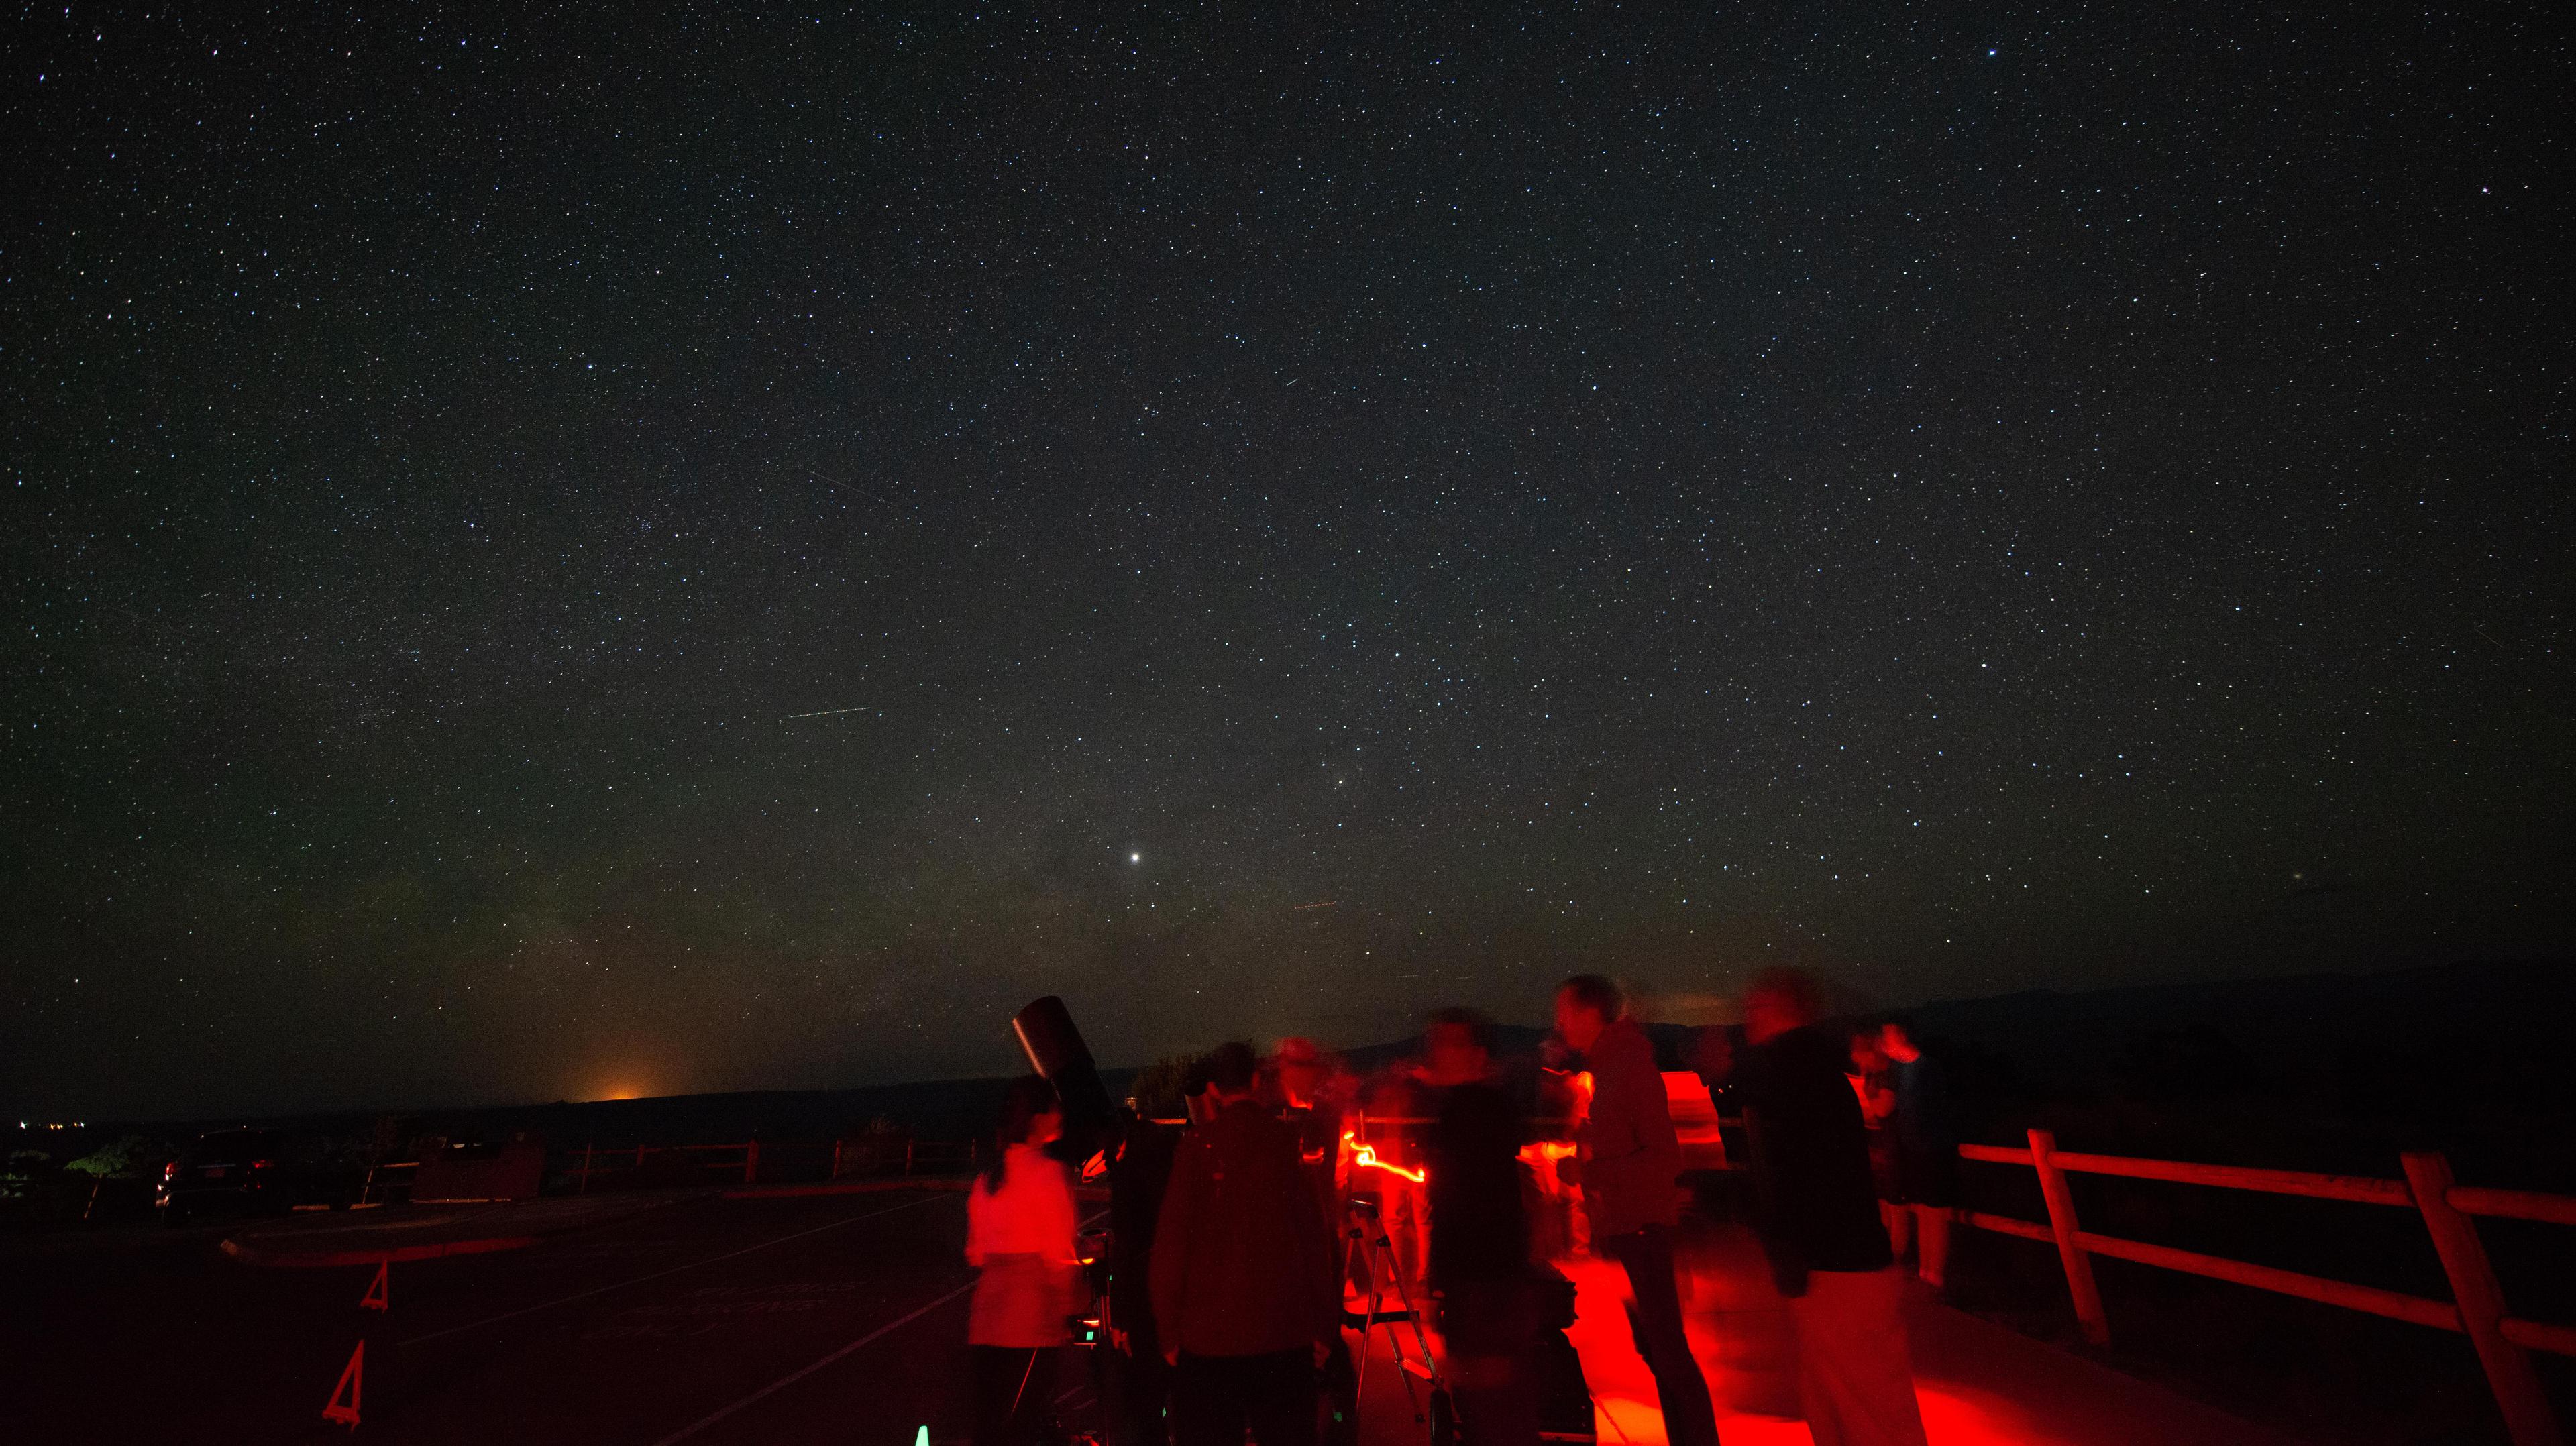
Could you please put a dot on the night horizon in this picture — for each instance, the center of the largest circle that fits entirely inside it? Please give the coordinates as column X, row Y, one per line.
column 723, row 553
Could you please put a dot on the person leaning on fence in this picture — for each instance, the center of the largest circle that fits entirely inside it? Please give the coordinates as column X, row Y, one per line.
column 1927, row 1153
column 1020, row 1226
column 1632, row 1163
column 1868, row 1073
column 1817, row 1216
column 1245, row 1297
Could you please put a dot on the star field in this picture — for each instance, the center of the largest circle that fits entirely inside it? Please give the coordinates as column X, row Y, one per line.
column 683, row 549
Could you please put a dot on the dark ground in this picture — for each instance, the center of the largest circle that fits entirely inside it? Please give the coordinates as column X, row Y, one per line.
column 630, row 1333
column 634, row 1331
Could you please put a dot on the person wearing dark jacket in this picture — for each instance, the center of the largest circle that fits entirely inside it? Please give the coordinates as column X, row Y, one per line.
column 1632, row 1163
column 1305, row 1089
column 1139, row 1379
column 1480, row 1240
column 1246, row 1302
column 1817, row 1215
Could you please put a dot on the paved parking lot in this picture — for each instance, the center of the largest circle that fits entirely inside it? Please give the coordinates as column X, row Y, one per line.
column 828, row 1318
column 710, row 1320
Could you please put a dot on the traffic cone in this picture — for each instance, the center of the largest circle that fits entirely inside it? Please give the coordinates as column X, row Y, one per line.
column 380, row 1295
column 349, row 1375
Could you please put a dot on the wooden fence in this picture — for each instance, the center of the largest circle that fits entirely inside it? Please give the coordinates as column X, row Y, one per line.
column 2449, row 1211
column 750, row 1157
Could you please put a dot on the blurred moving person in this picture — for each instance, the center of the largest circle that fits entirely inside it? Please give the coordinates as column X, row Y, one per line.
column 1927, row 1153
column 1392, row 1108
column 1138, row 1381
column 1020, row 1227
column 1246, row 1302
column 1310, row 1092
column 1558, row 1229
column 1818, row 1218
column 1632, row 1165
column 1480, row 1238
column 1868, row 1073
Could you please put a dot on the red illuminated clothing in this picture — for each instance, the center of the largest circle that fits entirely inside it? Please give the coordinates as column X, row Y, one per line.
column 1631, row 1157
column 1021, row 1237
column 1855, row 1376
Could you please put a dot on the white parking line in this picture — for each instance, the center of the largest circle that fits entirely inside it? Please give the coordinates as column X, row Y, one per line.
column 783, row 1382
column 657, row 1275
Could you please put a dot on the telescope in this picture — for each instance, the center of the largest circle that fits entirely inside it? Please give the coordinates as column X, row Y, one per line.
column 1094, row 1130
column 1055, row 1049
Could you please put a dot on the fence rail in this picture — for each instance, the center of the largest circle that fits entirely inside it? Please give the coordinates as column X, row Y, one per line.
column 2476, row 1309
column 917, row 1157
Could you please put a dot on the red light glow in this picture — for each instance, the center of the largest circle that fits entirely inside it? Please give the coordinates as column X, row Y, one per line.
column 1367, row 1155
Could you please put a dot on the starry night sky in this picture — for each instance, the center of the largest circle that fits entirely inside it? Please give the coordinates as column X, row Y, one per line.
column 658, row 550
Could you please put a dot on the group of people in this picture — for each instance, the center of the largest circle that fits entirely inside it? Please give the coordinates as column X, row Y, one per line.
column 1230, row 1271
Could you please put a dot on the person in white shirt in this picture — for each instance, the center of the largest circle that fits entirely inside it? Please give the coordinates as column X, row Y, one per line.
column 1020, row 1227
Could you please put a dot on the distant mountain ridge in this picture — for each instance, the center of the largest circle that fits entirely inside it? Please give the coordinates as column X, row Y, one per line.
column 2138, row 1039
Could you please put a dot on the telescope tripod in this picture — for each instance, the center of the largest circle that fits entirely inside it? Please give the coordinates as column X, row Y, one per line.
column 1366, row 1234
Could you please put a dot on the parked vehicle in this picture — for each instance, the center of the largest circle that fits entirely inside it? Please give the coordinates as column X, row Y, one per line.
column 256, row 1171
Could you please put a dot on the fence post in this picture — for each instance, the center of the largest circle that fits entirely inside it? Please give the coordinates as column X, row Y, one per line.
column 907, row 1154
column 2061, row 1221
column 751, row 1163
column 2528, row 1421
column 585, row 1171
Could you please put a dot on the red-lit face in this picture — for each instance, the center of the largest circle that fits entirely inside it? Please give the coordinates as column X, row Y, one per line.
column 1767, row 1016
column 1577, row 1023
column 1453, row 1055
column 1897, row 1045
column 1047, row 1128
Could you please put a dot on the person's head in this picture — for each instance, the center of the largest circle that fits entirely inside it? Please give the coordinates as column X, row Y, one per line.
column 1897, row 1043
column 1866, row 1056
column 1457, row 1046
column 1712, row 1054
column 1586, row 1005
column 1779, row 1000
column 1031, row 1115
column 1231, row 1069
column 1301, row 1069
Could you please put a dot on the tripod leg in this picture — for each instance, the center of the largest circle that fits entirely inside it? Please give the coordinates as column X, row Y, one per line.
column 1421, row 1340
column 1394, row 1342
column 1368, row 1322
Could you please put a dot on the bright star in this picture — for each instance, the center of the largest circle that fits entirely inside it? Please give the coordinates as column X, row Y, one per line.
column 1135, row 858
